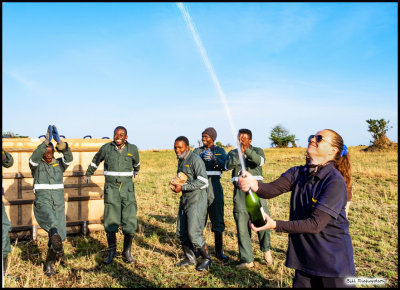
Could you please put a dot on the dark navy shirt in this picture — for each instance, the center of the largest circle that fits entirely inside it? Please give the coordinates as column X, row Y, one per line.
column 328, row 253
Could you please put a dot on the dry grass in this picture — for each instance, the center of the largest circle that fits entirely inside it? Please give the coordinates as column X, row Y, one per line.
column 373, row 227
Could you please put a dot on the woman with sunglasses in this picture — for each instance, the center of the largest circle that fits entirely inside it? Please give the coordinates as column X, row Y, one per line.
column 320, row 248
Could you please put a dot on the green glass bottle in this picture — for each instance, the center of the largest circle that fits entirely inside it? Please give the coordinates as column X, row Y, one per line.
column 255, row 209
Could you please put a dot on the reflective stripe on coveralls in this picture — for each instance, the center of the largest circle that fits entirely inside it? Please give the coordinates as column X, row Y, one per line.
column 217, row 173
column 204, row 180
column 115, row 173
column 47, row 186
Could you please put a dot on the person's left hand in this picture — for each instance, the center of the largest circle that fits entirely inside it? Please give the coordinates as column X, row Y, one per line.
column 178, row 188
column 56, row 136
column 271, row 224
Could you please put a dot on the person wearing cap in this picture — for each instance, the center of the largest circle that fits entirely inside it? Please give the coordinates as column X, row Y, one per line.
column 121, row 163
column 48, row 186
column 7, row 161
column 192, row 205
column 214, row 158
column 320, row 248
column 254, row 158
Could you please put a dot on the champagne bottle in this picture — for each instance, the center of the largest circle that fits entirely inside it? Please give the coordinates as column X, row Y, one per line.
column 255, row 209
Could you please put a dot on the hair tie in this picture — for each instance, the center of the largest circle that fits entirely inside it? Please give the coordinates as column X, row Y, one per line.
column 344, row 151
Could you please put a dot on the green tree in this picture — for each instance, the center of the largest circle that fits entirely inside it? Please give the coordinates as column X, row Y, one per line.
column 281, row 138
column 378, row 129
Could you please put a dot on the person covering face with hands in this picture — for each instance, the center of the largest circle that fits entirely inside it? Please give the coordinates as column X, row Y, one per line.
column 254, row 159
column 320, row 248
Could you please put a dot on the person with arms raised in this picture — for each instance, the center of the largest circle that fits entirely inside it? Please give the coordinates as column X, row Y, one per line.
column 48, row 186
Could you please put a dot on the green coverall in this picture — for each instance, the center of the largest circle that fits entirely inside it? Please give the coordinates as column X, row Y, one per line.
column 215, row 194
column 254, row 158
column 120, row 206
column 193, row 202
column 48, row 186
column 7, row 161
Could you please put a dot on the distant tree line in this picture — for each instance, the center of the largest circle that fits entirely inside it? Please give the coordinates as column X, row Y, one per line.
column 10, row 134
column 281, row 138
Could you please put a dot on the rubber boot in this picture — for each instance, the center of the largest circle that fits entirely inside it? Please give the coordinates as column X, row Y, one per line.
column 55, row 241
column 127, row 248
column 190, row 258
column 205, row 264
column 4, row 265
column 48, row 265
column 112, row 247
column 195, row 251
column 218, row 247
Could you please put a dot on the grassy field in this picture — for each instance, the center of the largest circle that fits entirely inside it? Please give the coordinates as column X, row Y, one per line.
column 373, row 220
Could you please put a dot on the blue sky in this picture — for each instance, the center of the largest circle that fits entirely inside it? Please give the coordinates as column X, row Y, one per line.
column 89, row 67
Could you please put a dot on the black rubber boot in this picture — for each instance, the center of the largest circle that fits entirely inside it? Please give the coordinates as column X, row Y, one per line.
column 195, row 251
column 112, row 247
column 4, row 265
column 218, row 247
column 55, row 241
column 127, row 248
column 190, row 258
column 205, row 264
column 48, row 265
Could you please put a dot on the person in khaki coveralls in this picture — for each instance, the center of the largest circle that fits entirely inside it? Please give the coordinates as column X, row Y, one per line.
column 192, row 205
column 48, row 186
column 254, row 158
column 121, row 163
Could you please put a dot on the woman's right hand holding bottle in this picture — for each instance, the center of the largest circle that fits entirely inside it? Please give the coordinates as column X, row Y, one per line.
column 247, row 182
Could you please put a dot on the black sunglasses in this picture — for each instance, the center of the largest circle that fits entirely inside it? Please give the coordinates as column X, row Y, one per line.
column 319, row 138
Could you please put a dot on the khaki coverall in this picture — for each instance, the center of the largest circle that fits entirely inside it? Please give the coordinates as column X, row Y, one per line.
column 120, row 205
column 254, row 158
column 7, row 161
column 193, row 202
column 48, row 186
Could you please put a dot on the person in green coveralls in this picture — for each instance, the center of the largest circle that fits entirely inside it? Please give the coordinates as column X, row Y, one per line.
column 121, row 163
column 214, row 158
column 192, row 205
column 48, row 186
column 7, row 161
column 254, row 158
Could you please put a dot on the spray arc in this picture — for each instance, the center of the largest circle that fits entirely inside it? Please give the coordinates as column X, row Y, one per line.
column 214, row 78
